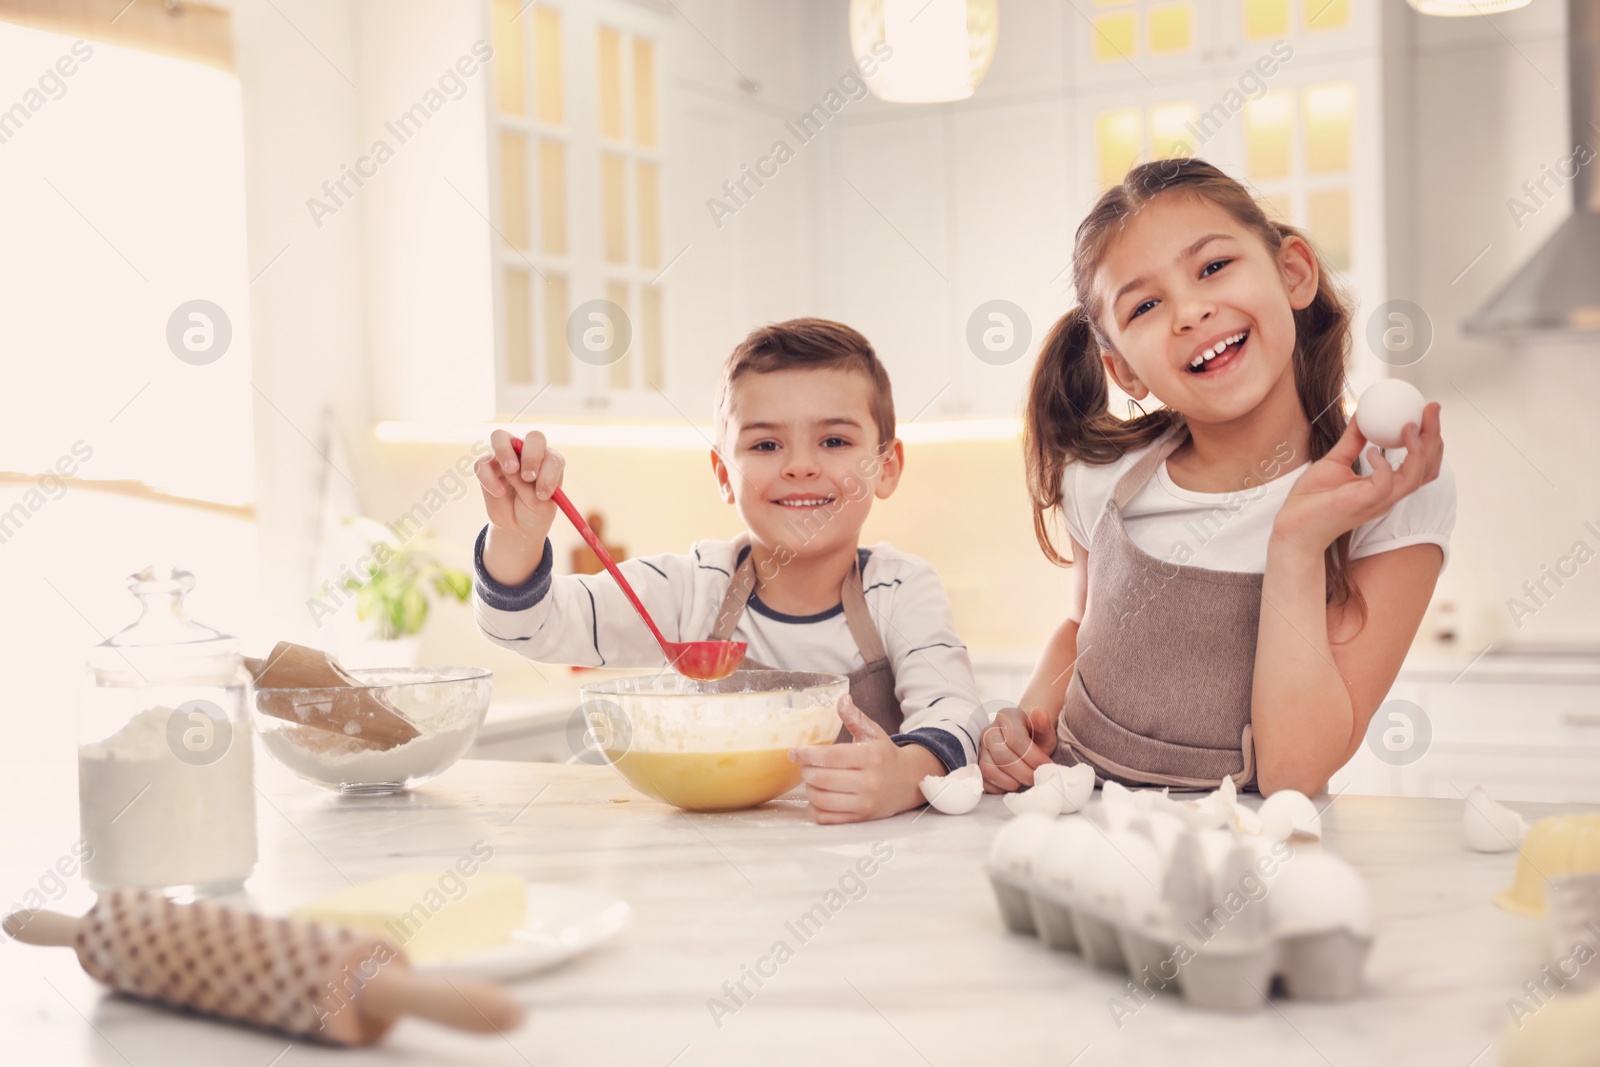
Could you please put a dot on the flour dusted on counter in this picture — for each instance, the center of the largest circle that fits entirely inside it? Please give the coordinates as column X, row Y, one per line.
column 155, row 820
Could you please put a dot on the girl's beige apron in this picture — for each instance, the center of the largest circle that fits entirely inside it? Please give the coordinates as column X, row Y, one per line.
column 1161, row 691
column 871, row 685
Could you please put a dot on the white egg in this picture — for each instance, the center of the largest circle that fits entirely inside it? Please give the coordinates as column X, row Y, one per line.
column 1290, row 815
column 955, row 793
column 1490, row 826
column 1120, row 875
column 1161, row 828
column 1017, row 843
column 1385, row 408
column 1060, row 854
column 1316, row 891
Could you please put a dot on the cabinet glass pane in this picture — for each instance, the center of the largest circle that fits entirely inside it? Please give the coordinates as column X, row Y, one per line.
column 609, row 88
column 614, row 207
column 553, row 196
column 622, row 369
column 1328, row 213
column 557, row 306
column 1116, row 37
column 1278, row 208
column 1169, row 130
column 649, row 190
column 644, row 93
column 1112, row 3
column 548, row 101
column 1329, row 111
column 1119, row 138
column 1171, row 28
column 1325, row 14
column 1266, row 18
column 514, row 188
column 650, row 335
column 519, row 326
column 510, row 60
column 1268, row 126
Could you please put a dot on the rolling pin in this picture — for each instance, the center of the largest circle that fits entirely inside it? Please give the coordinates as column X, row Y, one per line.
column 311, row 980
column 340, row 703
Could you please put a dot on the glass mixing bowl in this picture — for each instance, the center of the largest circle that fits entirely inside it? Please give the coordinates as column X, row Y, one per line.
column 300, row 727
column 711, row 746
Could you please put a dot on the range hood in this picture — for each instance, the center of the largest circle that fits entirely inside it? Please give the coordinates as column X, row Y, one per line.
column 1556, row 294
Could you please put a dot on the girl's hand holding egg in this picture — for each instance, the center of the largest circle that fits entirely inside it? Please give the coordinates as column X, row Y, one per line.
column 1330, row 497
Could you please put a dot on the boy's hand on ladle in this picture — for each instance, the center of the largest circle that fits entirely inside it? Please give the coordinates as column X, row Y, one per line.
column 1012, row 746
column 517, row 491
column 870, row 778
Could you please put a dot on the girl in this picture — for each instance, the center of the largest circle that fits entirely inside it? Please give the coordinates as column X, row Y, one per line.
column 1248, row 577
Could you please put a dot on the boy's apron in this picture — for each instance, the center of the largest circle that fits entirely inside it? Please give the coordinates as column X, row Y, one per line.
column 871, row 685
column 1161, row 690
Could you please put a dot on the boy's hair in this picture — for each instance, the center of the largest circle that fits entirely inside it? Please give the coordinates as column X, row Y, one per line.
column 1068, row 417
column 808, row 344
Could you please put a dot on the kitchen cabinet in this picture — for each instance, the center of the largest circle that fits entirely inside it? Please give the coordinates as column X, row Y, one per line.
column 1525, row 738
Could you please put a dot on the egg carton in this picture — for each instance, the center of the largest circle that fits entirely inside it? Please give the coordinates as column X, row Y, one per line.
column 1226, row 977
column 1312, row 942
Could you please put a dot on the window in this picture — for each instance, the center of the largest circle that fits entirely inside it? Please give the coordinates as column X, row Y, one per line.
column 124, row 182
column 578, row 210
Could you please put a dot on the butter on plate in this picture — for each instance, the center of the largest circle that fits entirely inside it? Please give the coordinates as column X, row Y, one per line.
column 435, row 916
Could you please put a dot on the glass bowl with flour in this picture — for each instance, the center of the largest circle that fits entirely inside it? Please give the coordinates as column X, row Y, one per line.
column 446, row 705
column 711, row 746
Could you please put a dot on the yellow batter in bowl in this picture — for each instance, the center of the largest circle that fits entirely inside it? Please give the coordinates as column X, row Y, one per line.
column 712, row 746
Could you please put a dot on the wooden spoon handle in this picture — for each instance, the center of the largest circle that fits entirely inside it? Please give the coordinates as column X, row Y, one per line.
column 463, row 1003
column 34, row 927
column 593, row 541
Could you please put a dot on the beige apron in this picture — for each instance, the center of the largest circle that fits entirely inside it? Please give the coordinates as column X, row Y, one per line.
column 1161, row 691
column 871, row 685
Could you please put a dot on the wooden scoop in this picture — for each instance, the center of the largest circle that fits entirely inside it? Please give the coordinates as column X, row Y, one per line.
column 307, row 686
column 312, row 980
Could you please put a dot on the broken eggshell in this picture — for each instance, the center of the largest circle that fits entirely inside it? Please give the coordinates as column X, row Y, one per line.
column 1490, row 826
column 1289, row 815
column 955, row 793
column 1056, row 789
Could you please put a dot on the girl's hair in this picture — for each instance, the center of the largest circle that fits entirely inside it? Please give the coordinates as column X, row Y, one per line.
column 1068, row 417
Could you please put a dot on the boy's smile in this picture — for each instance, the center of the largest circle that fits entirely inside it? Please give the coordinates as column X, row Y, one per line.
column 801, row 458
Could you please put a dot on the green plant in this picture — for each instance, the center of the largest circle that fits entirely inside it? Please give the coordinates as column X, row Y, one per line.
column 394, row 591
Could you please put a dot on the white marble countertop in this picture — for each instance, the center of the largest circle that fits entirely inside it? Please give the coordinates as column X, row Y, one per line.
column 915, row 971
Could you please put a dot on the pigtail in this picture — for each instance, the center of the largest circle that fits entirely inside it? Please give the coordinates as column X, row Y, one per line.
column 1068, row 419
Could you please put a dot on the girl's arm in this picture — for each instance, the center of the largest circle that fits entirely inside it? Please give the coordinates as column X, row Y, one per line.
column 1312, row 696
column 1018, row 742
column 1315, row 687
column 1047, row 688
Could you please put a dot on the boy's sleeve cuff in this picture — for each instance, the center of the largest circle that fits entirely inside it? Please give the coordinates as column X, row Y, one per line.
column 504, row 597
column 940, row 742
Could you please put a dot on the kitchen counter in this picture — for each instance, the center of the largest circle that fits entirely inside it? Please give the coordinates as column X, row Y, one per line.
column 917, row 970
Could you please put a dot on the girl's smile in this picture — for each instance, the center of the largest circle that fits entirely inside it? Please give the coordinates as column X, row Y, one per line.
column 1200, row 312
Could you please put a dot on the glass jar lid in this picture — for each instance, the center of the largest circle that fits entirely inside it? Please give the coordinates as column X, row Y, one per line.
column 164, row 646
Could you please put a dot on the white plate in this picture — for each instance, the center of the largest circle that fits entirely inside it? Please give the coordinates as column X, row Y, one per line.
column 562, row 923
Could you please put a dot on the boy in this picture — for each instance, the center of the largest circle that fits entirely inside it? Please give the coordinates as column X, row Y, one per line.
column 805, row 442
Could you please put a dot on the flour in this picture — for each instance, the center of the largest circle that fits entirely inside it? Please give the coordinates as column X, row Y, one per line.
column 155, row 821
column 446, row 716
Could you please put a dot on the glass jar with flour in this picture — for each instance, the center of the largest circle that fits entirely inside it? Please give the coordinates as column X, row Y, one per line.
column 166, row 796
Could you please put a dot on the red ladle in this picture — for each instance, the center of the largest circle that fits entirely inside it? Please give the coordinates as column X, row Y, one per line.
column 704, row 661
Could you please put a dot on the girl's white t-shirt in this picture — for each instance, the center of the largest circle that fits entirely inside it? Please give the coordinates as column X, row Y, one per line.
column 1229, row 531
